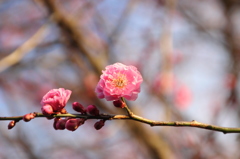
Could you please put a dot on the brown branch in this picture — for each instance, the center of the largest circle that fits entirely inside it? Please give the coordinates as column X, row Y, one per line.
column 69, row 26
column 20, row 52
column 137, row 118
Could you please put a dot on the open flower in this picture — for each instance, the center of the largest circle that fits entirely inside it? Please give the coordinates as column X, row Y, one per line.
column 55, row 100
column 119, row 80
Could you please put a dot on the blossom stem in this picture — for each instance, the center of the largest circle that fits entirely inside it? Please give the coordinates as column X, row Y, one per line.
column 130, row 113
column 134, row 117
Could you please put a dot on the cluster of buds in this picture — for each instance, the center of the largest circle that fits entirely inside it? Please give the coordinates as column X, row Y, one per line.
column 72, row 124
column 25, row 118
column 53, row 103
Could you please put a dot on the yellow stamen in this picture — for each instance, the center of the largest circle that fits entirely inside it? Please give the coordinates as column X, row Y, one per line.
column 120, row 81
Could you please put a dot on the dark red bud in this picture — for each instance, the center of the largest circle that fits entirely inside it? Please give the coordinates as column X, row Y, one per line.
column 55, row 122
column 11, row 124
column 73, row 124
column 119, row 103
column 93, row 110
column 60, row 124
column 98, row 125
column 78, row 107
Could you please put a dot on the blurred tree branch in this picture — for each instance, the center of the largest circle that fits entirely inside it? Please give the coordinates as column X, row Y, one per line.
column 69, row 27
column 20, row 52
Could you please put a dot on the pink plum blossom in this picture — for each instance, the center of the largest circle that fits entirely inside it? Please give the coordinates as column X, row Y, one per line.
column 119, row 80
column 55, row 100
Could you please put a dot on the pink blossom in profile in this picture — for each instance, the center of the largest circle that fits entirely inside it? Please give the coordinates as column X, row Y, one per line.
column 55, row 99
column 119, row 80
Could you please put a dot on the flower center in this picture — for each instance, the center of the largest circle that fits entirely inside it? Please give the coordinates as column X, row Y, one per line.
column 120, row 81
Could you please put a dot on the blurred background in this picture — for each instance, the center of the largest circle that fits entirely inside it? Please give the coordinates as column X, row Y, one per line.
column 188, row 53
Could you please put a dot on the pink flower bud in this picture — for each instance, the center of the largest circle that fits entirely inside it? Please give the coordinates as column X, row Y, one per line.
column 11, row 124
column 47, row 109
column 72, row 124
column 29, row 117
column 59, row 123
column 98, row 125
column 119, row 103
column 92, row 110
column 78, row 107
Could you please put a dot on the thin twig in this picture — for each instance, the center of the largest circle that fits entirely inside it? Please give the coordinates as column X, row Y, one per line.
column 130, row 113
column 20, row 52
column 134, row 117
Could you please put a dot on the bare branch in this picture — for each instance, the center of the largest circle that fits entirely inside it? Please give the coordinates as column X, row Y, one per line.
column 20, row 52
column 134, row 117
